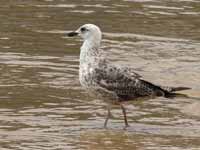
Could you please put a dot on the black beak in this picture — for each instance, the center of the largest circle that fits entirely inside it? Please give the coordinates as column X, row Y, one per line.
column 71, row 34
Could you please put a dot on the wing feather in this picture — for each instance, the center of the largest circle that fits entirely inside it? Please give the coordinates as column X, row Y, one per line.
column 124, row 82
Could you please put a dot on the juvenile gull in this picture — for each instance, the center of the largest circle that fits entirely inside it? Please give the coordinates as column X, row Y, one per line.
column 112, row 83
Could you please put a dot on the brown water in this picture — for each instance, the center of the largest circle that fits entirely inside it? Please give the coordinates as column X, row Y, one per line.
column 42, row 105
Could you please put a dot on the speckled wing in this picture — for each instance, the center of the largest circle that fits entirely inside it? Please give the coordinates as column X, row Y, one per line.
column 124, row 82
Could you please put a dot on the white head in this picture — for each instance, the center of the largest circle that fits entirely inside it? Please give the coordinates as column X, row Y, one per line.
column 89, row 32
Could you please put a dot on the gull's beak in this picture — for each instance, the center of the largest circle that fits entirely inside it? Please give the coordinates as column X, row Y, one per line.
column 71, row 34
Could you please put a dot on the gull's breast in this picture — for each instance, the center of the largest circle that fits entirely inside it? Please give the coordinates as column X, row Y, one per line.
column 86, row 75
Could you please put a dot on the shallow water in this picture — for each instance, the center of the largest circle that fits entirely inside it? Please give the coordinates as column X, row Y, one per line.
column 42, row 105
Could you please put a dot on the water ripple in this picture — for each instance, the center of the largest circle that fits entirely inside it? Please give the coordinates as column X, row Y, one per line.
column 42, row 104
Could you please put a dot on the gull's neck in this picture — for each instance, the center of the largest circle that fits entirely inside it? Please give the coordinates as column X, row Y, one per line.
column 90, row 50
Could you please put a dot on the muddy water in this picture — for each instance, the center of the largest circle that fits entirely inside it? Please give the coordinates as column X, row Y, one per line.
column 42, row 105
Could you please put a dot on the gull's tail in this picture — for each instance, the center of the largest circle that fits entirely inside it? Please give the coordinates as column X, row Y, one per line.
column 170, row 92
column 165, row 91
column 174, row 89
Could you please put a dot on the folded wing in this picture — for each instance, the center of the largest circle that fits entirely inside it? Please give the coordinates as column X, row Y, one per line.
column 126, row 83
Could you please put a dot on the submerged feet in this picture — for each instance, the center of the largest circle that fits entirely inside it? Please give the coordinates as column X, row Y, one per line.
column 109, row 115
column 125, row 118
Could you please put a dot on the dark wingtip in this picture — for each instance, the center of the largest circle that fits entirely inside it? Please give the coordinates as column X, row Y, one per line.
column 175, row 95
column 71, row 34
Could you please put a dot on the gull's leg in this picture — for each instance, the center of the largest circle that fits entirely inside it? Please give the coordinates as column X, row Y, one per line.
column 124, row 113
column 108, row 116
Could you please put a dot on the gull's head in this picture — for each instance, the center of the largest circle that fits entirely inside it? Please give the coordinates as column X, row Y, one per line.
column 87, row 32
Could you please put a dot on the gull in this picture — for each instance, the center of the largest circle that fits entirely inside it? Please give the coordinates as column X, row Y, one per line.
column 112, row 83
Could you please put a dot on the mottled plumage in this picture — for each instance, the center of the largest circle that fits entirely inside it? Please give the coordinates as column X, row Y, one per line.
column 112, row 83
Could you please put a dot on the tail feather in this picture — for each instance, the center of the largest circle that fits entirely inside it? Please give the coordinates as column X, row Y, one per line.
column 169, row 92
column 174, row 89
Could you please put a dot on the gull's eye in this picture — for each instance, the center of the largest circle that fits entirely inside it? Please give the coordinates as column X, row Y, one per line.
column 83, row 29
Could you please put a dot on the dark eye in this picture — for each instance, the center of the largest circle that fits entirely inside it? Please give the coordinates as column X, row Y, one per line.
column 83, row 29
